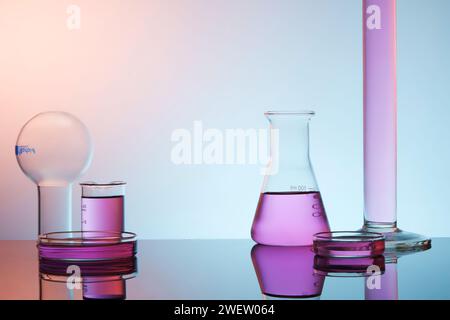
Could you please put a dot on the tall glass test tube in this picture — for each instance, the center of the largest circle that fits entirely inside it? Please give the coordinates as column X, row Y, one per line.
column 380, row 125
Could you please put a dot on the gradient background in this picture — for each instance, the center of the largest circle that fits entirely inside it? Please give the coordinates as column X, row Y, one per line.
column 137, row 70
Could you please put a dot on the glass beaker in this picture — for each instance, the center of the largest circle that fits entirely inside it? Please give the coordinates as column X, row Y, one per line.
column 102, row 206
column 290, row 209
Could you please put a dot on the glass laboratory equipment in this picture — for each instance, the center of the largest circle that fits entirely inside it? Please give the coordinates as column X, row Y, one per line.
column 380, row 127
column 287, row 272
column 290, row 209
column 102, row 206
column 344, row 244
column 64, row 280
column 53, row 149
column 82, row 246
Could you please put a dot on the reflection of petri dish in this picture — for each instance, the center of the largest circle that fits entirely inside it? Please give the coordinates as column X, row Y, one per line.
column 348, row 267
column 92, row 270
column 349, row 244
column 87, row 245
column 99, row 279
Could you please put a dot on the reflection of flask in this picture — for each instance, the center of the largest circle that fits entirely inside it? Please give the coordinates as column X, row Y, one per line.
column 287, row 272
column 53, row 149
column 290, row 209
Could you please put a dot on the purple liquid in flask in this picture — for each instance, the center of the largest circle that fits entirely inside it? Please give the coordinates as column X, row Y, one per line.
column 290, row 218
column 102, row 206
column 290, row 208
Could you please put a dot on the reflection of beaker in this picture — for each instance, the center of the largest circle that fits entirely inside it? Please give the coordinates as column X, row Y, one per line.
column 104, row 288
column 53, row 149
column 290, row 209
column 286, row 272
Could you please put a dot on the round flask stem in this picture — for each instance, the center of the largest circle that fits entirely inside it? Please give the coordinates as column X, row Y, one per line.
column 55, row 208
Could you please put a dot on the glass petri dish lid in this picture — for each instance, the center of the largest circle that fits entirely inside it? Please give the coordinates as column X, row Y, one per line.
column 87, row 245
column 349, row 244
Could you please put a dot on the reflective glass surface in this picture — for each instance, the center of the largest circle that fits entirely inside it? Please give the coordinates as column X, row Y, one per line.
column 226, row 269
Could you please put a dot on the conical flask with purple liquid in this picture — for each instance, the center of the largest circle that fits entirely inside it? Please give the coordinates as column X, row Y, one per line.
column 290, row 208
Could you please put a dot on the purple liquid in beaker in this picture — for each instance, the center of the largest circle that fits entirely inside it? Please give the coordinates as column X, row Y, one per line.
column 289, row 218
column 102, row 213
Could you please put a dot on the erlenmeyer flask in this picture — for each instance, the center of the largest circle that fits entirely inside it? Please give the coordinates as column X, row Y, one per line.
column 290, row 209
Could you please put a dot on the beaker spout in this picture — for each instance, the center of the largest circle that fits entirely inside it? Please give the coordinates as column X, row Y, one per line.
column 55, row 208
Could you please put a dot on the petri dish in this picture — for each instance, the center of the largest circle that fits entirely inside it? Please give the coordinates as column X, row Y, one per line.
column 349, row 244
column 87, row 245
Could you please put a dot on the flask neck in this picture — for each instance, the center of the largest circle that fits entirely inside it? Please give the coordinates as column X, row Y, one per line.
column 55, row 208
column 292, row 147
column 290, row 167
